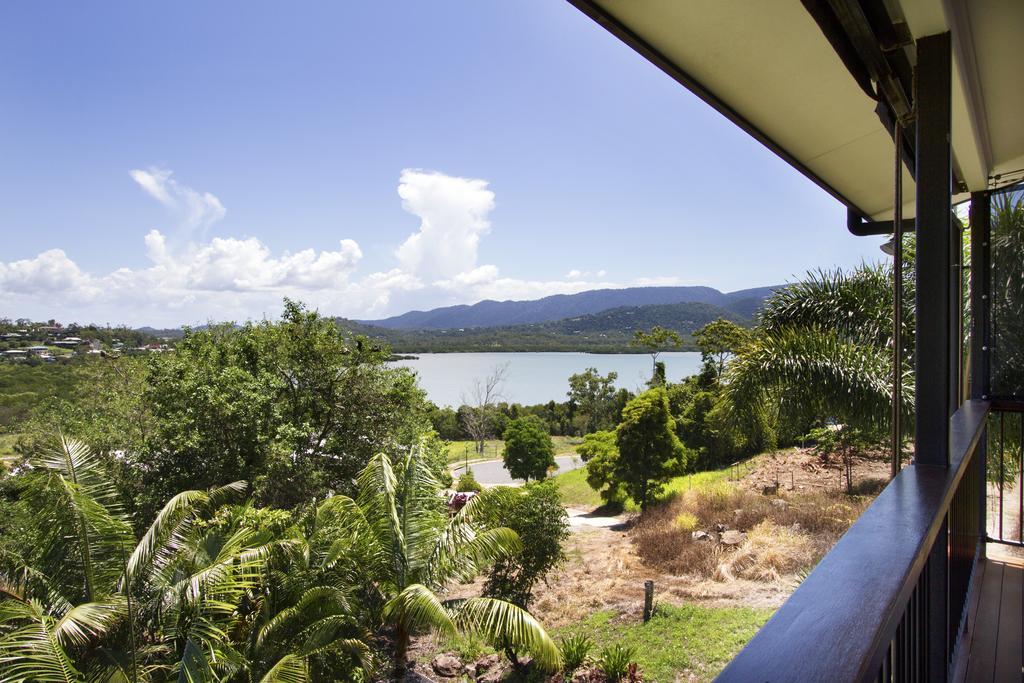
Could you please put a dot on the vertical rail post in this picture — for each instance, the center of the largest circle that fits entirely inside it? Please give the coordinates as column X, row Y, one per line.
column 934, row 344
column 981, row 302
column 897, row 304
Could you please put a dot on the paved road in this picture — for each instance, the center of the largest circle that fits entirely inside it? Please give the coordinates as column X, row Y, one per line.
column 493, row 472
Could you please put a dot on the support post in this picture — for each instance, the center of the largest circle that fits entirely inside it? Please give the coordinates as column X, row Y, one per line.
column 981, row 300
column 935, row 338
column 897, row 307
column 981, row 306
column 934, row 262
column 648, row 600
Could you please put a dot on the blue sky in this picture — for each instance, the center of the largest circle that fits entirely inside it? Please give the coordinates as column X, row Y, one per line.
column 176, row 162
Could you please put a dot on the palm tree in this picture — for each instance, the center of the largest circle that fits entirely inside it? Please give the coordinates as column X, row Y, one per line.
column 398, row 538
column 97, row 605
column 824, row 347
column 308, row 607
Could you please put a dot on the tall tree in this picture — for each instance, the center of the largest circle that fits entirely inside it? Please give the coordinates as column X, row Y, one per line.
column 650, row 453
column 657, row 340
column 594, row 398
column 718, row 340
column 294, row 406
column 529, row 451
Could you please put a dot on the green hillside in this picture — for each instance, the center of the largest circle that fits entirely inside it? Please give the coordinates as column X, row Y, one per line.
column 605, row 332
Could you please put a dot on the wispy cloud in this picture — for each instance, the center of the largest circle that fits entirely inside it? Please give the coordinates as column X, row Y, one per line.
column 195, row 209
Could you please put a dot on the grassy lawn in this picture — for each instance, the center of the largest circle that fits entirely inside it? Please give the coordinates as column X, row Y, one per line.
column 696, row 640
column 7, row 442
column 576, row 492
column 493, row 448
column 460, row 450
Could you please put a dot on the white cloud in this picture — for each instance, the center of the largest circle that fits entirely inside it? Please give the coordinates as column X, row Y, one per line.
column 575, row 274
column 195, row 209
column 49, row 271
column 453, row 215
column 192, row 279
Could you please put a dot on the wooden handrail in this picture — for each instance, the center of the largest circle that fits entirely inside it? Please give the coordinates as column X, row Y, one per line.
column 838, row 624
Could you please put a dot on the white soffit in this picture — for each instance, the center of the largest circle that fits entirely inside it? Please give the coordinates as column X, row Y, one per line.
column 770, row 63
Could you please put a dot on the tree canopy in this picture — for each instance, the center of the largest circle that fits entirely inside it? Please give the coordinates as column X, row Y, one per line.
column 529, row 451
column 650, row 453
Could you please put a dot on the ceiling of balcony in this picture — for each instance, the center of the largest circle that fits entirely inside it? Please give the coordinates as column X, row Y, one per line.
column 769, row 67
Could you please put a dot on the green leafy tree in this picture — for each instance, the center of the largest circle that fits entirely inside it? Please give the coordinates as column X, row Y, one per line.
column 655, row 341
column 718, row 340
column 650, row 453
column 529, row 451
column 601, row 453
column 294, row 406
column 536, row 514
column 1008, row 293
column 594, row 398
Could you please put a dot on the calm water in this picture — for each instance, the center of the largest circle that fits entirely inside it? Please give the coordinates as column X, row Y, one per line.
column 537, row 377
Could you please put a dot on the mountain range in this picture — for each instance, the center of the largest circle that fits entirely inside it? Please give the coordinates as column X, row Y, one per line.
column 560, row 306
column 599, row 321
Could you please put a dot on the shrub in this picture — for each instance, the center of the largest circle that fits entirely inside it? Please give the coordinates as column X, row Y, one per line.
column 615, row 661
column 575, row 650
column 467, row 482
column 534, row 512
column 601, row 454
column 686, row 521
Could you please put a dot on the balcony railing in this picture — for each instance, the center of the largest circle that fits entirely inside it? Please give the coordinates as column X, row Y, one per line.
column 889, row 602
column 1005, row 480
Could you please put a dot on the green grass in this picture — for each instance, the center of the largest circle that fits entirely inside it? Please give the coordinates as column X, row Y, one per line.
column 7, row 442
column 576, row 492
column 696, row 640
column 458, row 451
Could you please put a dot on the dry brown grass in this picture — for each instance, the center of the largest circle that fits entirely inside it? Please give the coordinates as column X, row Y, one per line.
column 769, row 552
column 784, row 534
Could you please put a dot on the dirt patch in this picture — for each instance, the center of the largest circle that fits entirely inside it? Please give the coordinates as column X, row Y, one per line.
column 801, row 470
column 604, row 572
column 607, row 562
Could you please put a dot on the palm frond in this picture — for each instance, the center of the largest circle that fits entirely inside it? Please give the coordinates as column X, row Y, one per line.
column 33, row 652
column 195, row 667
column 856, row 304
column 84, row 522
column 288, row 669
column 814, row 366
column 418, row 607
column 169, row 515
column 504, row 622
column 90, row 620
column 378, row 491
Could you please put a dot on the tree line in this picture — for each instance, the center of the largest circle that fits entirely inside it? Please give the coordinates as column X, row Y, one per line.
column 264, row 504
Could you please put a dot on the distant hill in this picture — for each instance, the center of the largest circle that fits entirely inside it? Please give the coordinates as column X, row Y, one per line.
column 608, row 331
column 562, row 306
